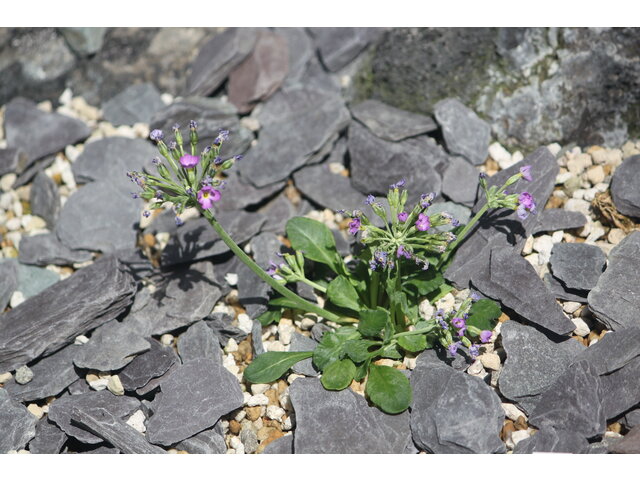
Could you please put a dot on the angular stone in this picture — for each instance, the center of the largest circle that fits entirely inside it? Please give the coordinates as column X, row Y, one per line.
column 257, row 346
column 342, row 422
column 340, row 45
column 301, row 52
column 51, row 375
column 251, row 196
column 224, row 265
column 8, row 282
column 32, row 169
column 391, row 123
column 473, row 426
column 265, row 248
column 217, row 58
column 79, row 387
column 280, row 446
column 111, row 347
column 625, row 187
column 50, row 320
column 205, row 443
column 550, row 440
column 46, row 249
column 301, row 343
column 193, row 398
column 115, row 431
column 84, row 40
column 561, row 292
column 261, row 73
column 253, row 292
column 45, row 199
column 577, row 265
column 61, row 411
column 296, row 123
column 553, row 219
column 460, row 181
column 156, row 382
column 629, row 444
column 49, row 438
column 534, row 362
column 136, row 104
column 33, row 280
column 613, row 351
column 621, row 389
column 222, row 328
column 280, row 210
column 457, row 211
column 573, row 402
column 38, row 133
column 17, row 424
column 149, row 365
column 11, row 160
column 199, row 341
column 615, row 300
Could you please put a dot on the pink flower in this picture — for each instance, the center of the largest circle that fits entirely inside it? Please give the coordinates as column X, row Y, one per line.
column 189, row 161
column 485, row 336
column 423, row 223
column 207, row 195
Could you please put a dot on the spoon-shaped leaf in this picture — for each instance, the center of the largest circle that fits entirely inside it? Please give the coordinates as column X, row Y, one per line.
column 270, row 366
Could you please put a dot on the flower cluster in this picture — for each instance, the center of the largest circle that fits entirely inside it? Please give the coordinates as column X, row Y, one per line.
column 185, row 178
column 522, row 203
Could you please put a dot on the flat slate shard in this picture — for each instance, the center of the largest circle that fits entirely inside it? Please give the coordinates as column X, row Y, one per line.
column 193, row 399
column 45, row 199
column 301, row 343
column 553, row 219
column 573, row 402
column 296, row 123
column 464, row 132
column 51, row 375
column 256, row 339
column 629, row 444
column 52, row 319
column 253, row 292
column 550, row 440
column 534, row 362
column 251, row 196
column 613, row 351
column 280, row 446
column 46, row 249
column 561, row 292
column 136, row 104
column 391, row 123
column 61, row 411
column 154, row 383
column 11, row 160
column 115, row 431
column 342, row 422
column 17, row 424
column 329, row 190
column 38, row 133
column 265, row 248
column 8, row 282
column 460, row 181
column 301, row 51
column 205, row 443
column 453, row 412
column 339, row 46
column 33, row 280
column 49, row 438
column 199, row 341
column 625, row 187
column 615, row 300
column 217, row 58
column 577, row 265
column 279, row 211
column 26, row 175
column 147, row 366
column 223, row 329
column 621, row 389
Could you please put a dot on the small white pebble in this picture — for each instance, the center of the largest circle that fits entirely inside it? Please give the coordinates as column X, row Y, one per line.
column 307, row 324
column 528, row 246
column 476, row 368
column 287, row 424
column 292, row 377
column 232, row 279
column 167, row 339
column 519, row 435
column 336, row 168
column 554, row 148
column 80, row 340
column 490, row 361
column 512, row 412
column 16, row 299
column 235, row 442
column 557, row 236
column 275, row 413
column 426, row 309
column 35, row 410
column 582, row 329
column 241, row 415
column 285, row 331
column 447, row 302
column 137, row 421
column 114, row 385
column 571, row 307
column 98, row 384
column 6, row 182
column 232, row 346
column 258, row 388
column 245, row 323
column 229, row 363
column 260, row 399
column 5, row 377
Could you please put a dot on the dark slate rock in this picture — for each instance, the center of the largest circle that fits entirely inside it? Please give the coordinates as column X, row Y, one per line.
column 554, row 219
column 296, row 123
column 376, row 163
column 17, row 424
column 99, row 217
column 223, row 329
column 301, row 51
column 198, row 341
column 256, row 338
column 464, row 132
column 79, row 387
column 333, row 191
column 253, row 292
column 460, row 181
column 577, row 265
column 84, row 40
column 205, row 443
column 196, row 239
column 318, row 331
column 550, row 440
column 632, row 418
column 280, row 446
column 8, row 282
column 223, row 265
column 115, row 431
column 50, row 320
column 250, row 197
column 193, row 398
column 391, row 123
column 51, row 375
column 136, row 104
column 621, row 389
column 261, row 73
column 557, row 288
column 264, row 248
column 473, row 426
column 613, row 351
column 279, row 211
column 342, row 422
column 534, row 362
column 615, row 300
column 46, row 249
column 629, row 444
column 147, row 366
column 625, row 187
column 111, row 347
column 26, row 175
column 156, row 382
column 437, row 356
column 38, row 133
column 340, row 45
column 45, row 199
column 49, row 438
column 301, row 343
column 11, row 160
column 164, row 222
column 33, row 280
column 61, row 411
column 573, row 402
column 137, row 264
column 101, row 450
column 217, row 58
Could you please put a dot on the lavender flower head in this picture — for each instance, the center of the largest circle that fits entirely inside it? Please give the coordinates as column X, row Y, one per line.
column 402, row 252
column 474, row 350
column 400, row 184
column 207, row 195
column 369, row 200
column 423, row 223
column 453, row 348
column 458, row 322
column 156, row 135
column 485, row 336
column 402, row 216
column 526, row 205
column 526, row 173
column 179, row 222
column 354, row 226
column 189, row 161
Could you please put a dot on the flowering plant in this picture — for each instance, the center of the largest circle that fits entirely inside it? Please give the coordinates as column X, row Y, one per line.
column 371, row 298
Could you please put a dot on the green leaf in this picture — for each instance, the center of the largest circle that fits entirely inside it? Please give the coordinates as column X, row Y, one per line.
column 338, row 375
column 270, row 366
column 372, row 322
column 361, row 371
column 484, row 314
column 388, row 389
column 413, row 343
column 358, row 350
column 420, row 286
column 331, row 347
column 315, row 240
column 439, row 293
column 341, row 293
column 391, row 351
column 270, row 316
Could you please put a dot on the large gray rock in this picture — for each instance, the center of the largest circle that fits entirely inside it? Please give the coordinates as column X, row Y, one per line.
column 84, row 40
column 45, row 199
column 550, row 440
column 50, row 320
column 615, row 300
column 577, row 265
column 625, row 187
column 49, row 438
column 327, row 189
column 136, row 104
column 453, row 412
column 151, row 364
column 390, row 123
column 621, row 389
column 460, row 182
column 205, row 443
column 561, row 292
column 339, row 45
column 342, row 422
column 46, row 249
column 33, row 280
column 8, row 282
column 198, row 341
column 553, row 219
column 301, row 343
column 251, row 196
column 17, row 424
column 613, row 351
column 253, row 292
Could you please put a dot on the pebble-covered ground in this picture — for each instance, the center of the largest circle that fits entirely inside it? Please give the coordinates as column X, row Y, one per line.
column 129, row 334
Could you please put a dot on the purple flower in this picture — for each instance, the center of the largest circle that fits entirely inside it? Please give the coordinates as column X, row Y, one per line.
column 172, row 145
column 453, row 348
column 373, row 265
column 400, row 184
column 475, row 296
column 222, row 136
column 462, row 331
column 156, row 135
column 193, row 124
column 207, row 195
column 370, row 199
column 483, row 175
column 423, row 223
column 380, row 256
column 402, row 252
column 179, row 222
column 402, row 216
column 146, row 214
column 426, row 199
column 455, row 222
column 474, row 350
column 354, row 226
column 526, row 173
column 207, row 180
column 443, row 324
column 485, row 336
column 217, row 161
column 189, row 161
column 526, row 204
column 273, row 268
column 458, row 322
column 175, row 127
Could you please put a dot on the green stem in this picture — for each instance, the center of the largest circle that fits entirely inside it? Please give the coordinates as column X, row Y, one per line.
column 255, row 268
column 313, row 284
column 462, row 235
column 375, row 284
